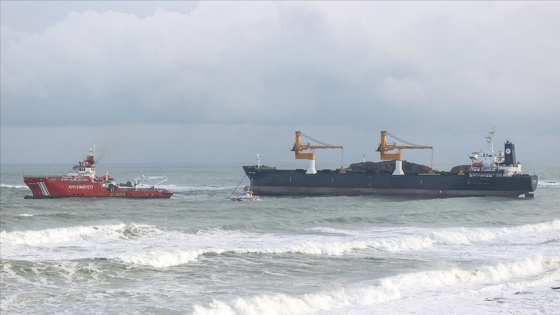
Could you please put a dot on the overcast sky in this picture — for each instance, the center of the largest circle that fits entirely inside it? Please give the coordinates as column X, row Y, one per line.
column 193, row 82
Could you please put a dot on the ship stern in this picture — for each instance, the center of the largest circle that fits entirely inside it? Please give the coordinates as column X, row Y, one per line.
column 534, row 182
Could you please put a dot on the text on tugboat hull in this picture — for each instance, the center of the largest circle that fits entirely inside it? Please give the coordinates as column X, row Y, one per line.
column 80, row 186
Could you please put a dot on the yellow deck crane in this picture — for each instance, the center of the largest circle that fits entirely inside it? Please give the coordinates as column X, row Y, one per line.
column 307, row 151
column 397, row 157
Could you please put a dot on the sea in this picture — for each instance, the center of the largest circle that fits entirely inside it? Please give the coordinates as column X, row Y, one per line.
column 202, row 253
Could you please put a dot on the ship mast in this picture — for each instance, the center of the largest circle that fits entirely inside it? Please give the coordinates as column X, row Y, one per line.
column 490, row 140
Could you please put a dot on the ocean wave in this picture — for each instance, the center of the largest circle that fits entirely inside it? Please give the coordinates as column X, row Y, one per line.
column 463, row 236
column 494, row 273
column 217, row 241
column 13, row 186
column 383, row 290
column 151, row 246
column 300, row 304
column 161, row 258
column 549, row 184
column 58, row 236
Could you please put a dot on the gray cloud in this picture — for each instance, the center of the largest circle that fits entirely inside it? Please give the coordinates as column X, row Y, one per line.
column 418, row 68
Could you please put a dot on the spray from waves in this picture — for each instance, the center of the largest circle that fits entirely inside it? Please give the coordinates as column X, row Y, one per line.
column 387, row 289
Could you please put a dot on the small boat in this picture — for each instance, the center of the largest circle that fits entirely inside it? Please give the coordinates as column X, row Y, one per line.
column 246, row 196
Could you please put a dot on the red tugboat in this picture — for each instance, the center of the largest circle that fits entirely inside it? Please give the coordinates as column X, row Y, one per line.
column 82, row 182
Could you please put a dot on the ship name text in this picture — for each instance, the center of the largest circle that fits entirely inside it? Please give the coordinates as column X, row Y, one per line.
column 80, row 186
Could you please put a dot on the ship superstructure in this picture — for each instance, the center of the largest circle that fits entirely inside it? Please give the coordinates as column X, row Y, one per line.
column 503, row 162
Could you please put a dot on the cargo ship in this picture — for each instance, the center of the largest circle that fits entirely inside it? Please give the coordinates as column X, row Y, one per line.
column 488, row 174
column 83, row 182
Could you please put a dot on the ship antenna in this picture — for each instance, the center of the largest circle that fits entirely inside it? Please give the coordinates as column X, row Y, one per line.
column 490, row 140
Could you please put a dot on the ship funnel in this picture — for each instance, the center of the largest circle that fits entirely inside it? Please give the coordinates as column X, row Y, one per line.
column 510, row 154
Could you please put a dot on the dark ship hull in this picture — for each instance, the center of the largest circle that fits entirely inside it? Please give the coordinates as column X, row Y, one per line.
column 271, row 181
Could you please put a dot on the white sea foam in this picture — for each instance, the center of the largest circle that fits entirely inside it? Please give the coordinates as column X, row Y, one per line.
column 329, row 230
column 148, row 245
column 275, row 304
column 191, row 247
column 484, row 274
column 419, row 285
column 519, row 287
column 549, row 184
column 472, row 235
column 13, row 186
column 161, row 258
column 82, row 242
column 57, row 236
column 545, row 280
column 188, row 247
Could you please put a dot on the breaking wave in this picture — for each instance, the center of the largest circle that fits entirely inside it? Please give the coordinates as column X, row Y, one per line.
column 59, row 235
column 549, row 184
column 13, row 186
column 151, row 246
column 386, row 289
